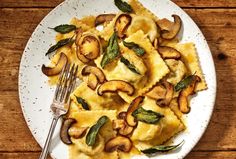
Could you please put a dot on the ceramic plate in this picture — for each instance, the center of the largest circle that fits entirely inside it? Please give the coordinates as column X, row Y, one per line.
column 36, row 95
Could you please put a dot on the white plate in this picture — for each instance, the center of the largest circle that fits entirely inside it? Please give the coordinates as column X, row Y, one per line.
column 36, row 95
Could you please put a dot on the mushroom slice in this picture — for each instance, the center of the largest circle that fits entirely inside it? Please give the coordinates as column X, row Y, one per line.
column 114, row 86
column 94, row 70
column 92, row 81
column 102, row 18
column 122, row 127
column 77, row 132
column 64, row 134
column 119, row 142
column 49, row 71
column 168, row 52
column 80, row 56
column 171, row 30
column 132, row 107
column 162, row 93
column 89, row 46
column 122, row 23
column 185, row 93
column 158, row 92
column 165, row 24
column 168, row 96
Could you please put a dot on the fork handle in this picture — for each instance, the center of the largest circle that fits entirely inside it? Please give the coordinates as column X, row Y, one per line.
column 45, row 150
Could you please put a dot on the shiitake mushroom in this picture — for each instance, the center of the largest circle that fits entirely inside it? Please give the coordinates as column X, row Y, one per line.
column 64, row 134
column 102, row 18
column 119, row 142
column 52, row 71
column 122, row 23
column 185, row 93
column 132, row 107
column 114, row 86
column 170, row 30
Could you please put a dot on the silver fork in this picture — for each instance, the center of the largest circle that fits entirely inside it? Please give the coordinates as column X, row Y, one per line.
column 61, row 100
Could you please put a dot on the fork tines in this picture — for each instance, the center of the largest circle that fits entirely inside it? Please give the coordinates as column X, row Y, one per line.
column 66, row 83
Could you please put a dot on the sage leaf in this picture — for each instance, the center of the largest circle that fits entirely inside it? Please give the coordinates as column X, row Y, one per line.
column 123, row 6
column 112, row 50
column 129, row 65
column 93, row 131
column 58, row 45
column 83, row 103
column 135, row 47
column 147, row 116
column 64, row 28
column 161, row 148
column 184, row 83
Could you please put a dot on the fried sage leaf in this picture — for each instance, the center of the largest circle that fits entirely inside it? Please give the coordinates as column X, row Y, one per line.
column 147, row 116
column 93, row 131
column 112, row 50
column 123, row 6
column 161, row 148
column 135, row 47
column 184, row 83
column 64, row 28
column 58, row 45
column 82, row 102
column 129, row 65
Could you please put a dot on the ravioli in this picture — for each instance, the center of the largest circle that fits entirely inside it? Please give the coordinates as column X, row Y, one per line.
column 156, row 67
column 119, row 71
column 87, row 119
column 190, row 58
column 147, row 25
column 146, row 135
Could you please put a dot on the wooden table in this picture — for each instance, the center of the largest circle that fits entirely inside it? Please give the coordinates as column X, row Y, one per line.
column 217, row 20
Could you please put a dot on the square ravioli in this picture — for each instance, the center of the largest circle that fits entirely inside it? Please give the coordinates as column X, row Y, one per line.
column 190, row 58
column 148, row 135
column 87, row 119
column 155, row 69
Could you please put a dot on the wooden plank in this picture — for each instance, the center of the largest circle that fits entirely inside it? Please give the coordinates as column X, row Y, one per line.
column 192, row 155
column 16, row 29
column 20, row 155
column 204, row 3
column 29, row 3
column 14, row 134
column 212, row 155
column 181, row 3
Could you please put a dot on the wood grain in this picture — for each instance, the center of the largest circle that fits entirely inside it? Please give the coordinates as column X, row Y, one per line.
column 218, row 26
column 181, row 3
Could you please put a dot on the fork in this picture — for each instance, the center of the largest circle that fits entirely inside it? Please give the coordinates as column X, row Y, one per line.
column 61, row 100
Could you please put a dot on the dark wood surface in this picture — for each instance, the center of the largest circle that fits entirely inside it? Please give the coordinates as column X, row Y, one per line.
column 216, row 19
